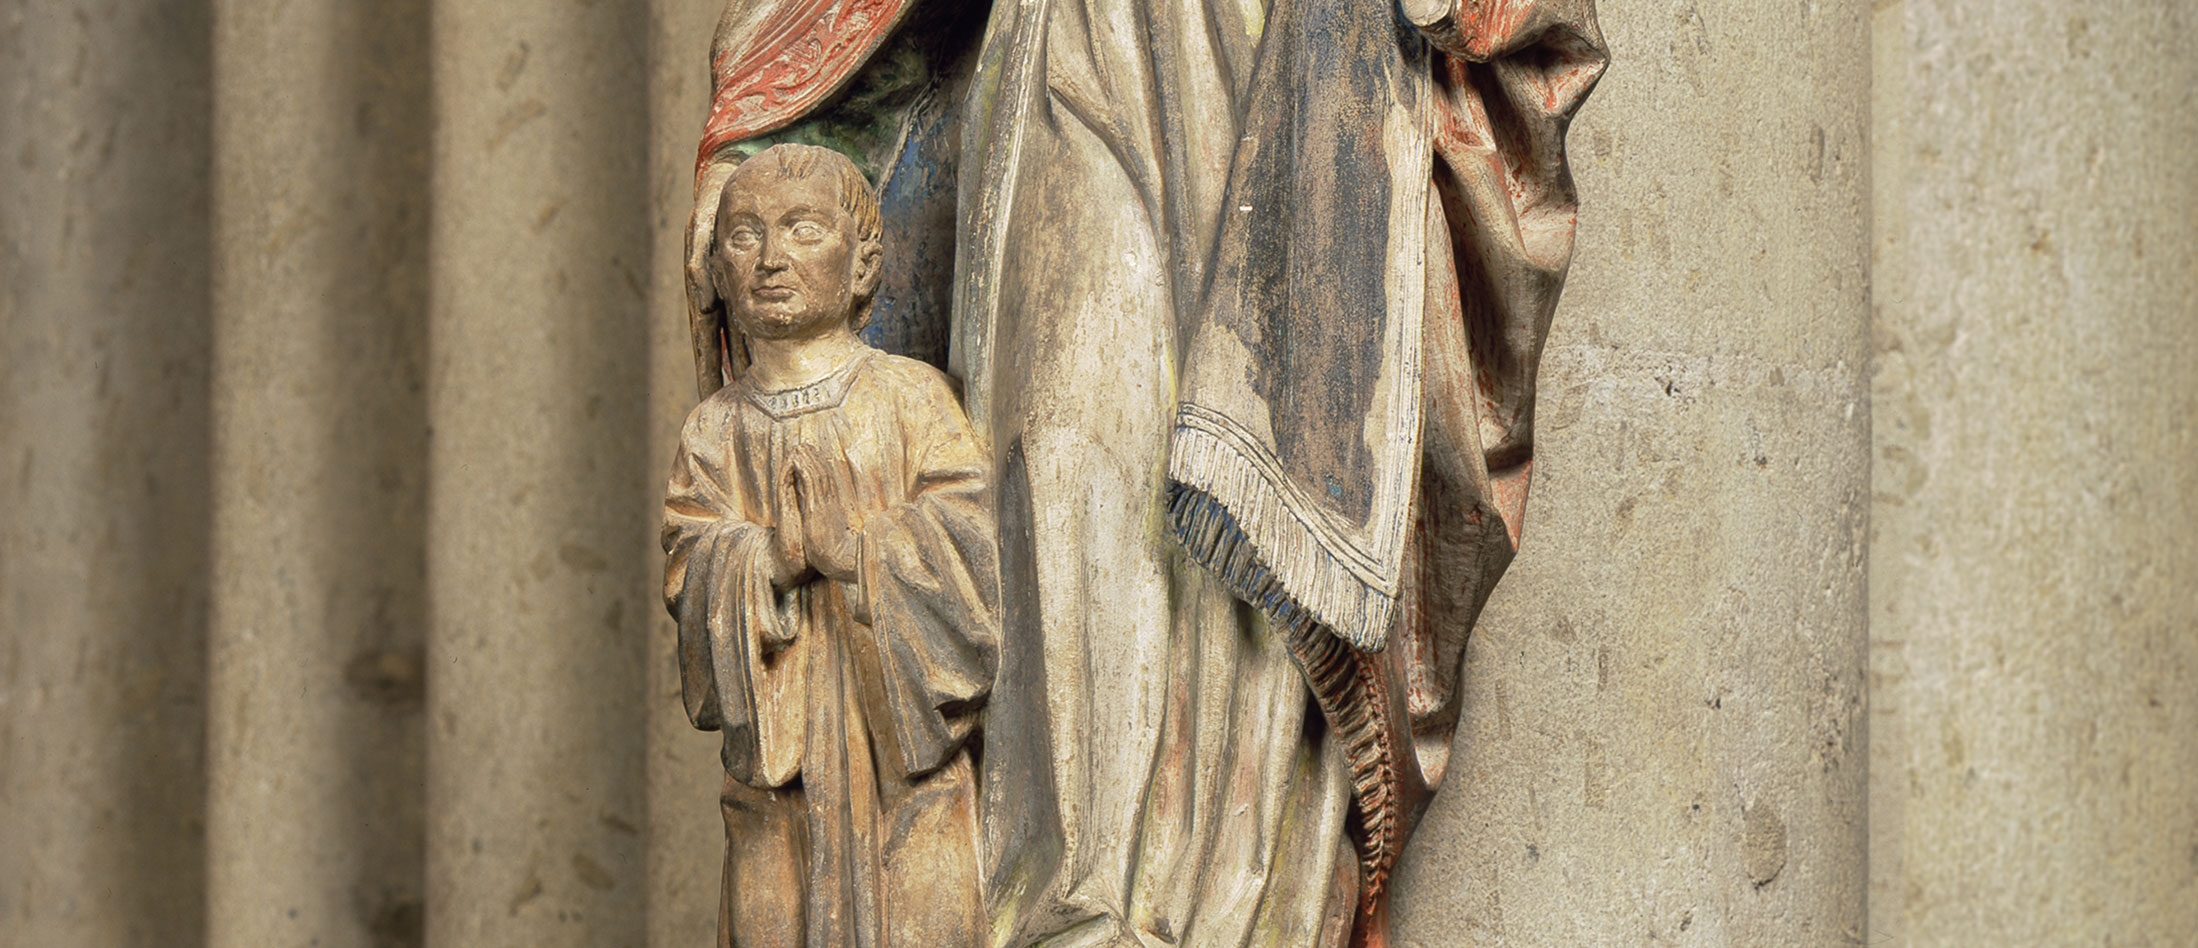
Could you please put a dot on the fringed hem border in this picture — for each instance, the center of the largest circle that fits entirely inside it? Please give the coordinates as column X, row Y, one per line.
column 1345, row 680
column 1236, row 521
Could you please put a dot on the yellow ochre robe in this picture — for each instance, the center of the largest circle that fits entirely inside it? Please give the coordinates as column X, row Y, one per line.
column 850, row 797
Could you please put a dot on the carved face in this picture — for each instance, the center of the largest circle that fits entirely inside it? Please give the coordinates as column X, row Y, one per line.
column 787, row 262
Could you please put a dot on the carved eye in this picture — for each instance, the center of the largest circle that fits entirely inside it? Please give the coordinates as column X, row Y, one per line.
column 742, row 237
column 809, row 232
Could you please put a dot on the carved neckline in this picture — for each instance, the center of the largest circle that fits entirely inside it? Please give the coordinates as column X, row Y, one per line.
column 823, row 393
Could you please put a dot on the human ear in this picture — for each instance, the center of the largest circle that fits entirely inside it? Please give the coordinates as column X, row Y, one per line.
column 869, row 260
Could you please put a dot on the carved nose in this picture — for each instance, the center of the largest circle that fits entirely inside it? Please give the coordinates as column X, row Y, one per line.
column 773, row 256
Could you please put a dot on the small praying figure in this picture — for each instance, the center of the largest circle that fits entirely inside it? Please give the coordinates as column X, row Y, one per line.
column 833, row 564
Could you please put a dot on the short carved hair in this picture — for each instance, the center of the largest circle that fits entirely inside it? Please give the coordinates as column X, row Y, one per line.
column 794, row 162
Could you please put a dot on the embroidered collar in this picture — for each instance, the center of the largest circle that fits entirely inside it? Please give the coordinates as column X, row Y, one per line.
column 823, row 393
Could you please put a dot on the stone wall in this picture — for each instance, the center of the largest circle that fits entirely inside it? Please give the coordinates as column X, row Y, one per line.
column 343, row 357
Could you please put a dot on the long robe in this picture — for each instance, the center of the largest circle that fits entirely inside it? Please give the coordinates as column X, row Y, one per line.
column 1156, row 771
column 850, row 798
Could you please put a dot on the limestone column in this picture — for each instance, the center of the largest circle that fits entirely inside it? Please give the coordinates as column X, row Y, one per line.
column 540, row 578
column 2034, row 570
column 103, row 470
column 1663, row 733
column 317, row 744
column 686, row 835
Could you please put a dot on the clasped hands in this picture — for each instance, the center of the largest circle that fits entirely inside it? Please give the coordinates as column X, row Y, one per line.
column 819, row 532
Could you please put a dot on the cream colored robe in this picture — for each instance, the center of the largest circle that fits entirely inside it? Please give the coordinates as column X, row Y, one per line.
column 1159, row 773
column 850, row 801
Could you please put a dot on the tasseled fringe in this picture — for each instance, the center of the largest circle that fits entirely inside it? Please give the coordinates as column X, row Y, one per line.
column 1346, row 682
column 1233, row 519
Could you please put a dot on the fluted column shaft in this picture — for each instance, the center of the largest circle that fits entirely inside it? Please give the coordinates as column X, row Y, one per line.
column 540, row 576
column 103, row 470
column 686, row 834
column 1663, row 733
column 315, row 801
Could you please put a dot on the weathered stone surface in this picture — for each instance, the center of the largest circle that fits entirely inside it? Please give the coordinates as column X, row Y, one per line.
column 317, row 745
column 685, row 832
column 541, row 532
column 1663, row 733
column 2034, row 567
column 103, row 471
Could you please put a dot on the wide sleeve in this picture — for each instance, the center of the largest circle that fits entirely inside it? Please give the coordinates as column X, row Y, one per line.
column 740, row 662
column 772, row 62
column 930, row 582
column 1508, row 78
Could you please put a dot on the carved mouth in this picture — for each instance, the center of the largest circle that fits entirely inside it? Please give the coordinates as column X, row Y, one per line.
column 774, row 294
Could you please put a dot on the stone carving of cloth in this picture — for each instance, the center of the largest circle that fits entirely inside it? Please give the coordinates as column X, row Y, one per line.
column 850, row 801
column 1326, row 399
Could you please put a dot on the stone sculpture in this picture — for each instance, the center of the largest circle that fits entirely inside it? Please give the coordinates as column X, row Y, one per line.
column 833, row 567
column 1246, row 299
